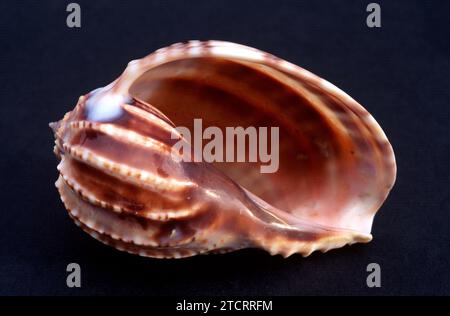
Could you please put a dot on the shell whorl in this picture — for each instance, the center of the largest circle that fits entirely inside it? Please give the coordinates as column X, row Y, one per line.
column 121, row 185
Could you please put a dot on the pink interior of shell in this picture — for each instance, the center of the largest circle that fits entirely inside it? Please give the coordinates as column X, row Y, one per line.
column 336, row 166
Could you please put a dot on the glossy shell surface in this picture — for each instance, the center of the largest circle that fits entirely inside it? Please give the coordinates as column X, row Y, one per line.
column 120, row 183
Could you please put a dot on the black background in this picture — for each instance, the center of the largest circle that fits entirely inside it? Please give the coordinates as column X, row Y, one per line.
column 399, row 72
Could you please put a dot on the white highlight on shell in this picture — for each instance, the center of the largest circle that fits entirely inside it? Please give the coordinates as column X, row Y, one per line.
column 237, row 53
column 104, row 105
column 158, row 58
column 195, row 51
column 328, row 85
column 133, row 66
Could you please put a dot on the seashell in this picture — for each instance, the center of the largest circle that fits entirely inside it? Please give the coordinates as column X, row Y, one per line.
column 121, row 183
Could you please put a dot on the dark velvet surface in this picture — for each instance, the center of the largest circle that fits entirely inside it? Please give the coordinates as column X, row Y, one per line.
column 399, row 72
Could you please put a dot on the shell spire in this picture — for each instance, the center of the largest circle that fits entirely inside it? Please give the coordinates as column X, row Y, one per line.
column 122, row 182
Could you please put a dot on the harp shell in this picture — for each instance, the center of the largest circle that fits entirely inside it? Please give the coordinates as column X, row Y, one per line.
column 121, row 184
